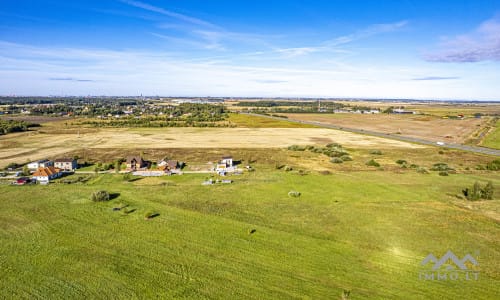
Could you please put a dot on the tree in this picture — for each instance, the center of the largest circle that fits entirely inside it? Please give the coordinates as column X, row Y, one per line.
column 475, row 193
column 26, row 171
column 488, row 191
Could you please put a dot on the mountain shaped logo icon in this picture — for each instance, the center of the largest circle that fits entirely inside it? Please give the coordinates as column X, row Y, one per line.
column 460, row 263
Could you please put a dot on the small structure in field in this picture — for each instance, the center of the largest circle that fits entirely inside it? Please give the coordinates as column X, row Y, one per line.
column 225, row 165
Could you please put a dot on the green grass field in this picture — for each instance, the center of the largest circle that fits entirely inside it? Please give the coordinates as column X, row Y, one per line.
column 492, row 140
column 363, row 231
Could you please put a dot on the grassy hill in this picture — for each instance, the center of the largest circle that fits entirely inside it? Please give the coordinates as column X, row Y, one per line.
column 364, row 231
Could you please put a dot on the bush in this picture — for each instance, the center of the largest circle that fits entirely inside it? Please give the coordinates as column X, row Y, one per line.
column 127, row 177
column 441, row 167
column 293, row 194
column 401, row 162
column 372, row 163
column 334, row 145
column 493, row 165
column 443, row 173
column 336, row 160
column 413, row 166
column 346, row 158
column 297, row 148
column 376, row 152
column 477, row 192
column 288, row 168
column 100, row 196
column 441, row 152
column 422, row 170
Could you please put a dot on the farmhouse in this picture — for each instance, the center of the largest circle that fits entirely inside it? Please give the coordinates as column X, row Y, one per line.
column 44, row 175
column 226, row 164
column 67, row 164
column 35, row 165
column 135, row 163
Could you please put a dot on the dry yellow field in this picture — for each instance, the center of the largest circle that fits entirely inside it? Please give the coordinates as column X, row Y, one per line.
column 21, row 147
column 424, row 127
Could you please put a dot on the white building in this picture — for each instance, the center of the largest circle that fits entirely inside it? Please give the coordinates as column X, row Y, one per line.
column 44, row 163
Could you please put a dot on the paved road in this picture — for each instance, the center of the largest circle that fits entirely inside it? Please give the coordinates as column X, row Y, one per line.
column 390, row 136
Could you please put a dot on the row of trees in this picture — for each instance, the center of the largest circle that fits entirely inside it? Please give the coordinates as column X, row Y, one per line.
column 9, row 126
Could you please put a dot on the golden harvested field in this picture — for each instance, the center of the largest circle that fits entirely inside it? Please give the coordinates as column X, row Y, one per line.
column 53, row 141
column 424, row 127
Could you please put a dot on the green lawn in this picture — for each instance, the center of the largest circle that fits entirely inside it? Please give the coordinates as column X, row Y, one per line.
column 492, row 140
column 362, row 231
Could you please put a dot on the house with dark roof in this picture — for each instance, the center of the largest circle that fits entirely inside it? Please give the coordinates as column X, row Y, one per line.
column 67, row 164
column 135, row 163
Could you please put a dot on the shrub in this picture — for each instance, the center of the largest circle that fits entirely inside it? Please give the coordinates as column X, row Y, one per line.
column 288, row 168
column 100, row 196
column 422, row 170
column 293, row 194
column 441, row 152
column 372, row 163
column 488, row 191
column 413, row 166
column 336, row 160
column 401, row 162
column 441, row 167
column 297, row 148
column 376, row 152
column 493, row 165
column 346, row 158
column 127, row 177
column 477, row 192
column 443, row 173
column 333, row 145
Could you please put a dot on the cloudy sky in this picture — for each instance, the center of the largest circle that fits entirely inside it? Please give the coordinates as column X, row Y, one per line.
column 293, row 48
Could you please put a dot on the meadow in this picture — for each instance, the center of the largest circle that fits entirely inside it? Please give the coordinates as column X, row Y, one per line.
column 492, row 139
column 249, row 239
column 354, row 227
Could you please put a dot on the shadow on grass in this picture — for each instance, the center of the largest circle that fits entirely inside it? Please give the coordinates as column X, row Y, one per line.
column 134, row 179
column 152, row 216
column 113, row 196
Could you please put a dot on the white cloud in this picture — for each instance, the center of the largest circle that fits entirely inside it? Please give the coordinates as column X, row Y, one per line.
column 481, row 45
column 30, row 70
column 168, row 13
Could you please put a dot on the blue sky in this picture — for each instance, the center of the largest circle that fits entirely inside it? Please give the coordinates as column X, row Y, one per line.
column 370, row 49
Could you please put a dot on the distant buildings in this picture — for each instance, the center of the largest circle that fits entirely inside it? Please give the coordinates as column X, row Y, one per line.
column 67, row 164
column 35, row 165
